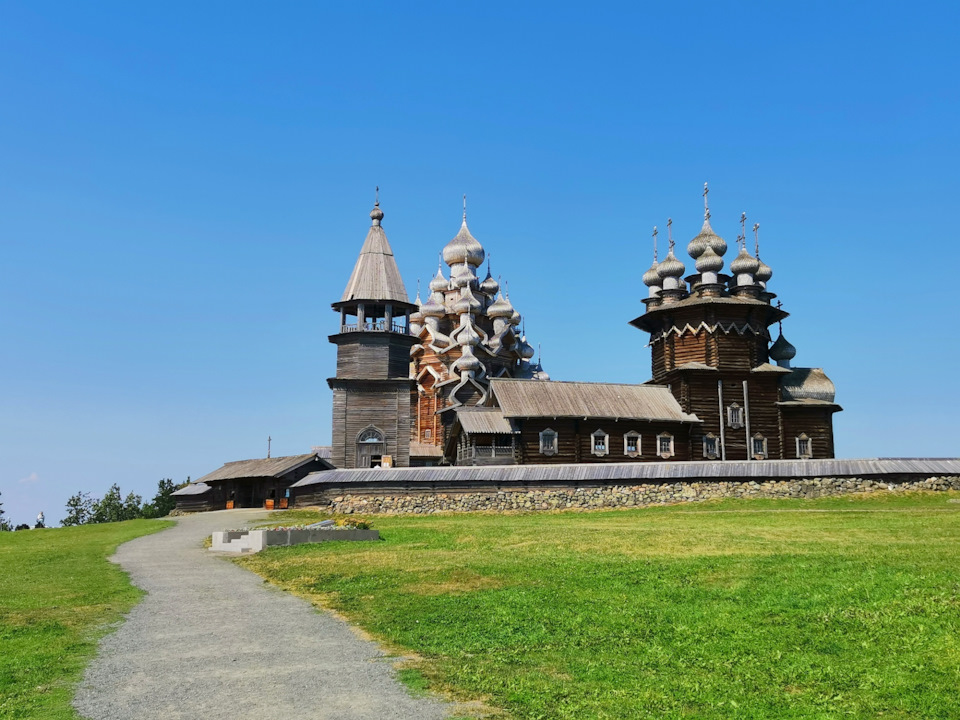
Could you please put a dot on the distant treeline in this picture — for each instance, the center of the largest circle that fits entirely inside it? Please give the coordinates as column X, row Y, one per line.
column 82, row 509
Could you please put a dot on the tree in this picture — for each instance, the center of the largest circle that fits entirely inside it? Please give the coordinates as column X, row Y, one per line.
column 4, row 523
column 108, row 509
column 79, row 509
column 163, row 502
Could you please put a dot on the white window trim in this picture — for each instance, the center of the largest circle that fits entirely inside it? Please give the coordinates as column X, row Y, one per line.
column 809, row 441
column 552, row 449
column 716, row 445
column 755, row 455
column 593, row 443
column 672, row 450
column 734, row 408
column 626, row 438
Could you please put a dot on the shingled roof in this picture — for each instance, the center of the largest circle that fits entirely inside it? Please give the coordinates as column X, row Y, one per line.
column 376, row 275
column 530, row 398
column 263, row 467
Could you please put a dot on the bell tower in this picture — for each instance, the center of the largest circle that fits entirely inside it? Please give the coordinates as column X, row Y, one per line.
column 372, row 388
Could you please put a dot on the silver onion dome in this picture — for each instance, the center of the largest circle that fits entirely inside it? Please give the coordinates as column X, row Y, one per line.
column 709, row 261
column 650, row 277
column 466, row 304
column 526, row 349
column 707, row 237
column 376, row 215
column 744, row 263
column 764, row 272
column 433, row 307
column 515, row 318
column 490, row 286
column 670, row 267
column 464, row 248
column 500, row 308
column 439, row 282
column 782, row 350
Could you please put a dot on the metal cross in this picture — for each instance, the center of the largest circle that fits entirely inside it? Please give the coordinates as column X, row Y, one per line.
column 670, row 232
column 743, row 229
column 706, row 206
column 756, row 238
column 655, row 232
column 464, row 206
column 269, row 440
column 377, row 203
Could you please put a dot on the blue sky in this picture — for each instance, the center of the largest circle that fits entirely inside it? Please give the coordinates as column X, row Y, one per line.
column 184, row 188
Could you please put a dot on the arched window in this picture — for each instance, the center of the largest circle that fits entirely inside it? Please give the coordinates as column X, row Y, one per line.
column 631, row 444
column 758, row 447
column 548, row 442
column 665, row 445
column 371, row 447
column 600, row 445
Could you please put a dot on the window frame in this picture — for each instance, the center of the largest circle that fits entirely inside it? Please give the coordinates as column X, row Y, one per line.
column 626, row 440
column 765, row 453
column 715, row 453
column 672, row 451
column 594, row 436
column 735, row 423
column 804, row 438
column 554, row 443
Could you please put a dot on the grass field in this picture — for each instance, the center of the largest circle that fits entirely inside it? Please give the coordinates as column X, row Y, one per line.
column 58, row 595
column 833, row 608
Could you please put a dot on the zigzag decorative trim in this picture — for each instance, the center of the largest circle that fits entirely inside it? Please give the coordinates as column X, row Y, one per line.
column 689, row 329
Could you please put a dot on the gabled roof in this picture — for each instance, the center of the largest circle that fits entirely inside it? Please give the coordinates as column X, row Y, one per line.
column 531, row 398
column 196, row 488
column 264, row 467
column 769, row 368
column 419, row 449
column 376, row 275
column 488, row 421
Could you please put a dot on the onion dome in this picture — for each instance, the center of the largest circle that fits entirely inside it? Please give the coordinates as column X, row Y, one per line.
column 500, row 308
column 744, row 263
column 782, row 351
column 464, row 248
column 763, row 273
column 670, row 267
column 462, row 275
column 416, row 316
column 525, row 349
column 466, row 304
column 515, row 318
column 709, row 261
column 707, row 237
column 376, row 215
column 433, row 307
column 489, row 286
column 650, row 277
column 468, row 361
column 469, row 336
column 439, row 282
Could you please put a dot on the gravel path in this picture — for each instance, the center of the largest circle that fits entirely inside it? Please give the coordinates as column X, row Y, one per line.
column 212, row 641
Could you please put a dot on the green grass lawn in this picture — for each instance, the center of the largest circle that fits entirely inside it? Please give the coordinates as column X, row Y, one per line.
column 58, row 595
column 832, row 608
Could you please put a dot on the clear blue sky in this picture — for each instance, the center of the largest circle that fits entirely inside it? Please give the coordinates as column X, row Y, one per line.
column 184, row 188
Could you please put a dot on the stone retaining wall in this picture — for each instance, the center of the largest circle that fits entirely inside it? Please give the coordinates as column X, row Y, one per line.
column 618, row 496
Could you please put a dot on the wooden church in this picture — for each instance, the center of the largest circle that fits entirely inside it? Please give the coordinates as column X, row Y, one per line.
column 451, row 380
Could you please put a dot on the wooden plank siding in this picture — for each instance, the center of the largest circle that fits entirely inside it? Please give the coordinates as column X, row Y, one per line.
column 358, row 405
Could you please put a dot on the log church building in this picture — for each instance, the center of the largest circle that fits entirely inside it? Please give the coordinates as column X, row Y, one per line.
column 451, row 379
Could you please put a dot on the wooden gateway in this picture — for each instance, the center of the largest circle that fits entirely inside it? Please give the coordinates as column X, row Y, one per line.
column 451, row 380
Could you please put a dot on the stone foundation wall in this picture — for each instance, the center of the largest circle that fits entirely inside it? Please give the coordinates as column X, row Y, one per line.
column 619, row 496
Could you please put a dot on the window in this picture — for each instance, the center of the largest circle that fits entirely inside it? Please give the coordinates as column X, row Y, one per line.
column 665, row 445
column 804, row 446
column 734, row 416
column 548, row 442
column 631, row 444
column 428, row 433
column 711, row 448
column 371, row 446
column 600, row 443
column 758, row 446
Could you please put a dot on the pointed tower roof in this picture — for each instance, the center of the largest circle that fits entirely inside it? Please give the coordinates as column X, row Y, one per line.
column 376, row 275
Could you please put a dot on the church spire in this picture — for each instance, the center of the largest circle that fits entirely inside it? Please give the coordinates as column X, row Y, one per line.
column 376, row 276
